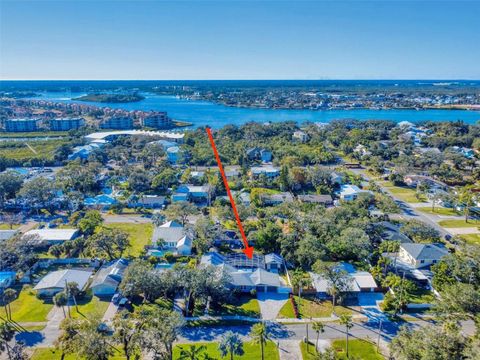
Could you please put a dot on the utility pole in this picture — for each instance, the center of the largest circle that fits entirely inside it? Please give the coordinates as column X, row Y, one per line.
column 379, row 334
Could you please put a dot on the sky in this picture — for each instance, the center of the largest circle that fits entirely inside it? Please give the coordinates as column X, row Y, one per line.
column 122, row 39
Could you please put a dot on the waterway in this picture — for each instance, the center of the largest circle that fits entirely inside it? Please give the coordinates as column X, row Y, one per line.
column 201, row 113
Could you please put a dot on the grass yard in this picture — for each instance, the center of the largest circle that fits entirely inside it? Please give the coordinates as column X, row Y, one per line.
column 251, row 351
column 422, row 296
column 89, row 307
column 459, row 223
column 403, row 193
column 438, row 211
column 7, row 226
column 28, row 308
column 139, row 234
column 35, row 134
column 53, row 354
column 471, row 238
column 42, row 150
column 358, row 349
column 311, row 354
column 242, row 305
column 307, row 308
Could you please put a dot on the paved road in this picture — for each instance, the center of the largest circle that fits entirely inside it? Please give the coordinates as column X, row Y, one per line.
column 281, row 332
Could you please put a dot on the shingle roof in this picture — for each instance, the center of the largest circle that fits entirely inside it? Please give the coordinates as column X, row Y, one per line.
column 111, row 274
column 57, row 279
column 424, row 251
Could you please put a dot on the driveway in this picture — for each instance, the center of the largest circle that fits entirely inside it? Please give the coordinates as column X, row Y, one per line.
column 369, row 302
column 270, row 304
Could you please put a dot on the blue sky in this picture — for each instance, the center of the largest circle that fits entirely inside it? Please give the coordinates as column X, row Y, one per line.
column 239, row 40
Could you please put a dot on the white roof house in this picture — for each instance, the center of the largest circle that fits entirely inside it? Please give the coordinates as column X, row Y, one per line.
column 51, row 236
column 55, row 281
column 164, row 135
column 7, row 234
column 349, row 192
column 173, row 237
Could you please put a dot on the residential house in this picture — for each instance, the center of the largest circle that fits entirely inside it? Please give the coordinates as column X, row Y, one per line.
column 175, row 155
column 276, row 199
column 147, row 201
column 465, row 152
column 360, row 282
column 46, row 237
column 421, row 255
column 193, row 193
column 249, row 274
column 337, row 178
column 259, row 154
column 172, row 237
column 316, row 199
column 105, row 282
column 270, row 172
column 300, row 136
column 55, row 281
column 349, row 192
column 415, row 180
column 361, row 150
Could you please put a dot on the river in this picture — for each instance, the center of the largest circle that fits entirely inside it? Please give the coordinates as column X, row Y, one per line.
column 201, row 113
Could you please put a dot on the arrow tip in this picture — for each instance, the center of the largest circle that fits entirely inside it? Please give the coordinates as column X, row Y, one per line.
column 248, row 251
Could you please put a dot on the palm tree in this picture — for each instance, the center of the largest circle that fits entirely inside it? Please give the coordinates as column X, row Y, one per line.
column 73, row 291
column 6, row 335
column 230, row 343
column 318, row 327
column 347, row 321
column 60, row 300
column 260, row 335
column 193, row 352
column 8, row 296
column 467, row 199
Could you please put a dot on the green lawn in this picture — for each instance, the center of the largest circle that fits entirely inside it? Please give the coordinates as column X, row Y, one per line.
column 139, row 235
column 403, row 193
column 471, row 238
column 90, row 307
column 438, row 211
column 242, row 305
column 358, row 349
column 28, row 308
column 43, row 150
column 422, row 296
column 309, row 308
column 33, row 134
column 53, row 354
column 7, row 226
column 251, row 351
column 311, row 354
column 459, row 223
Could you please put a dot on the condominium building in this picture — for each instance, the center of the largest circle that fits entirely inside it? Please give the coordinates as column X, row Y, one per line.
column 21, row 125
column 66, row 124
column 158, row 120
column 117, row 122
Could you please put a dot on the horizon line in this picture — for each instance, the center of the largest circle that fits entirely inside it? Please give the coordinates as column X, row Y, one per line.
column 299, row 79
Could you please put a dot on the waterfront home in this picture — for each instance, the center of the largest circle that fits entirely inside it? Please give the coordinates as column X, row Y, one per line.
column 46, row 237
column 360, row 282
column 421, row 255
column 105, row 282
column 269, row 171
column 55, row 281
column 172, row 237
column 325, row 200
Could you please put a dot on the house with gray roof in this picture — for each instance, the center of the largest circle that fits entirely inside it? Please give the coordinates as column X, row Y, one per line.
column 259, row 274
column 173, row 237
column 108, row 277
column 421, row 255
column 7, row 234
column 55, row 281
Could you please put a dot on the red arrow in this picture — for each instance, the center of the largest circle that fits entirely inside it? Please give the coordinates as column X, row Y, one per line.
column 248, row 250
